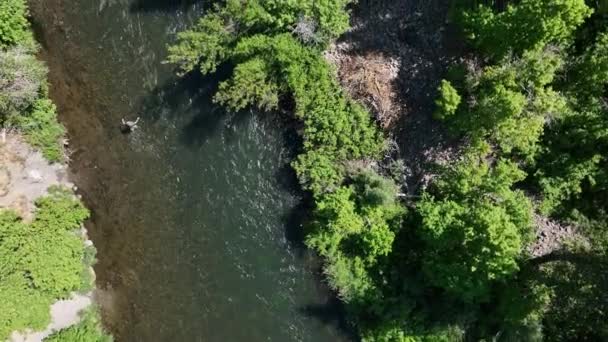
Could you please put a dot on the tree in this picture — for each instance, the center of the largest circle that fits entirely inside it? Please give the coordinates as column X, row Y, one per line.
column 448, row 101
column 589, row 77
column 508, row 104
column 13, row 22
column 22, row 77
column 474, row 227
column 211, row 41
column 571, row 171
column 528, row 25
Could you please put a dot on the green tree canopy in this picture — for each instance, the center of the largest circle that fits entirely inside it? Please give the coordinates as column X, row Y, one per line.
column 14, row 27
column 527, row 25
column 474, row 226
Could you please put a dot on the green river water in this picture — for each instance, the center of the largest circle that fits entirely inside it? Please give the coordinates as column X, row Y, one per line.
column 196, row 215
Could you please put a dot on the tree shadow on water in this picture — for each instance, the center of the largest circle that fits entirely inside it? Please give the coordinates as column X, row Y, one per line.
column 164, row 5
column 187, row 102
column 332, row 313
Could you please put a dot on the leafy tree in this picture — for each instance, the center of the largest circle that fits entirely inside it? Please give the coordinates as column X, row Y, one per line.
column 22, row 77
column 318, row 172
column 448, row 100
column 212, row 40
column 13, row 23
column 572, row 168
column 590, row 73
column 204, row 46
column 474, row 227
column 571, row 171
column 251, row 85
column 352, row 233
column 509, row 104
column 374, row 189
column 527, row 25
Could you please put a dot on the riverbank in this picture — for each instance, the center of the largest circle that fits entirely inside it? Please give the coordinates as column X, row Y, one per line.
column 25, row 176
column 46, row 279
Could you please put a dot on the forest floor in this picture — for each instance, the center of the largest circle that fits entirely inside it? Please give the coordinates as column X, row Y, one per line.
column 24, row 176
column 392, row 60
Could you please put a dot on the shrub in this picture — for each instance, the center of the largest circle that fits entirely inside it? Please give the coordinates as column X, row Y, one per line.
column 474, row 227
column 528, row 25
column 448, row 100
column 13, row 23
column 22, row 77
column 41, row 261
column 42, row 130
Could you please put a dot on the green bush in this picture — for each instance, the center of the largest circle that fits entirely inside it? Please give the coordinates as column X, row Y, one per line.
column 528, row 25
column 448, row 101
column 42, row 130
column 352, row 234
column 211, row 41
column 41, row 261
column 474, row 226
column 14, row 27
column 508, row 103
column 22, row 77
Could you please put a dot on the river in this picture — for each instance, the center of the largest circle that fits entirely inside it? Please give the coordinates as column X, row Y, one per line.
column 196, row 215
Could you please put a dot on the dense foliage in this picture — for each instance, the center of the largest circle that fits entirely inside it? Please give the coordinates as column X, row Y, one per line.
column 24, row 103
column 542, row 106
column 42, row 261
column 525, row 26
column 14, row 27
column 455, row 265
column 474, row 225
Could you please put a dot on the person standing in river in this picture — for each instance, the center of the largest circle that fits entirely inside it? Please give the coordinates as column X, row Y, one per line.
column 129, row 126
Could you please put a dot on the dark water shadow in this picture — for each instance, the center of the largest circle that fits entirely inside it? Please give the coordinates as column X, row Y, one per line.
column 164, row 5
column 39, row 30
column 188, row 98
column 332, row 313
column 294, row 223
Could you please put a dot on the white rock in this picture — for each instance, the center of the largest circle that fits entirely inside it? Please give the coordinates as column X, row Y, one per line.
column 35, row 175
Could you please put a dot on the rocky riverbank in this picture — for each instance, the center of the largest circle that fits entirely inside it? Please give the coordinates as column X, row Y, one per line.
column 25, row 176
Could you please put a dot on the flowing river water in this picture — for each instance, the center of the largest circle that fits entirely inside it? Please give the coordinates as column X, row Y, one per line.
column 196, row 215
